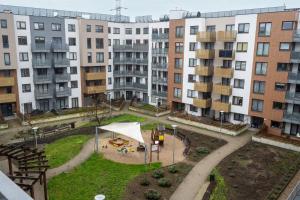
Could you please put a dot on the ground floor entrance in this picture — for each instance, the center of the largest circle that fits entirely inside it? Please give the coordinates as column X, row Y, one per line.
column 257, row 122
column 7, row 109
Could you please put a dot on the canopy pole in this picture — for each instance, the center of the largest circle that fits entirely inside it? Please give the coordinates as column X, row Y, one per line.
column 97, row 139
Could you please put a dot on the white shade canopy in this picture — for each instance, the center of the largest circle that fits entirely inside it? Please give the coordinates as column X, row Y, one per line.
column 130, row 129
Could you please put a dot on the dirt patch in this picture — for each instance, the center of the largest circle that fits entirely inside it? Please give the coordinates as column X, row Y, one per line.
column 255, row 170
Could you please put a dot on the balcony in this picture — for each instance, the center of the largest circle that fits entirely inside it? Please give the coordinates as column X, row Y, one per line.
column 130, row 61
column 225, row 54
column 159, row 80
column 223, row 72
column 292, row 97
column 205, row 53
column 95, row 89
column 162, row 51
column 294, row 78
column 297, row 36
column 7, row 81
column 206, row 36
column 290, row 117
column 40, row 47
column 140, row 73
column 295, row 57
column 140, row 86
column 61, row 78
column 160, row 36
column 47, row 94
column 41, row 63
column 220, row 106
column 162, row 66
column 226, row 36
column 204, row 71
column 222, row 89
column 123, row 73
column 92, row 76
column 203, row 87
column 63, row 92
column 123, row 86
column 62, row 63
column 58, row 47
column 160, row 94
column 42, row 79
column 8, row 98
column 202, row 103
column 131, row 48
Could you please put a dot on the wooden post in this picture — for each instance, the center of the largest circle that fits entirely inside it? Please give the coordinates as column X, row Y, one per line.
column 150, row 153
column 32, row 192
column 10, row 166
column 45, row 186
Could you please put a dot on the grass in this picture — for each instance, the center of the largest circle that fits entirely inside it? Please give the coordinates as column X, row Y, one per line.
column 95, row 176
column 64, row 149
column 220, row 191
column 151, row 126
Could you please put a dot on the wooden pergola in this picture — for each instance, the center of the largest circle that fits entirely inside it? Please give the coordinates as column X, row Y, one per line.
column 31, row 165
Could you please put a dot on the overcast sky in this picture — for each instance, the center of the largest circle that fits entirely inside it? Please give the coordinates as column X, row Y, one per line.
column 156, row 8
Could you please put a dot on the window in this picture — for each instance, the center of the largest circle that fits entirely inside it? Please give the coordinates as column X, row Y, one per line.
column 27, row 108
column 138, row 31
column 179, row 32
column 22, row 40
column 99, row 57
column 3, row 23
column 146, row 31
column 73, row 56
column 73, row 70
column 284, row 46
column 178, row 63
column 210, row 28
column 240, row 65
column 239, row 83
column 242, row 47
column 99, row 43
column 109, row 68
column 265, row 29
column 278, row 105
column 75, row 103
column 229, row 27
column 6, row 58
column 39, row 40
column 21, row 25
column 5, row 41
column 109, row 30
column 261, row 68
column 89, row 43
column 38, row 26
column 244, row 28
column 26, row 88
column 282, row 67
column 193, row 108
column 287, row 25
column 128, row 31
column 88, row 28
column 177, row 92
column 257, row 105
column 194, row 30
column 23, row 56
column 71, row 28
column 191, row 93
column 280, row 86
column 191, row 78
column 179, row 47
column 275, row 124
column 99, row 29
column 56, row 27
column 192, row 62
column 116, row 31
column 72, row 41
column 89, row 57
column 238, row 117
column 193, row 46
column 263, row 49
column 238, row 101
column 259, row 87
column 25, row 72
column 74, row 84
column 177, row 78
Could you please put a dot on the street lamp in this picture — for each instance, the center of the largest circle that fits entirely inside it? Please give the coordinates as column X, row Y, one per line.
column 157, row 112
column 109, row 93
column 35, row 129
column 222, row 112
column 174, row 133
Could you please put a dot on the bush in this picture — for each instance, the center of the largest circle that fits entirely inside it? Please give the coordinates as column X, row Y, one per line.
column 202, row 150
column 164, row 182
column 159, row 173
column 145, row 182
column 152, row 194
column 173, row 169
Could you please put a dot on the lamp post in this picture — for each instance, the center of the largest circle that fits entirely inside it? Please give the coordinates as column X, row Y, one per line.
column 157, row 112
column 174, row 133
column 222, row 112
column 35, row 129
column 109, row 93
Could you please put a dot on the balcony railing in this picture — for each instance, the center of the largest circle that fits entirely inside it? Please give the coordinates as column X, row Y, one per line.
column 223, row 72
column 59, row 47
column 95, row 89
column 59, row 78
column 217, row 105
column 130, row 61
column 160, row 51
column 203, row 87
column 222, row 89
column 159, row 93
column 225, row 54
column 90, row 76
column 130, row 86
column 297, row 35
column 140, row 73
column 293, row 97
column 63, row 92
column 47, row 94
column 42, row 79
column 62, row 63
column 41, row 63
column 291, row 117
column 205, row 53
column 294, row 77
column 202, row 103
column 206, row 36
column 159, row 80
column 204, row 70
column 8, row 98
column 140, row 86
column 295, row 56
column 159, row 65
column 131, row 48
column 226, row 36
column 160, row 36
column 7, row 81
column 40, row 47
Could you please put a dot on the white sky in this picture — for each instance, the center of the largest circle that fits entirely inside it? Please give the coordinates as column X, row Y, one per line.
column 151, row 7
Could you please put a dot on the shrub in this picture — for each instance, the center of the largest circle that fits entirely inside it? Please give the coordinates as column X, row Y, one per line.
column 159, row 173
column 164, row 182
column 202, row 150
column 152, row 194
column 173, row 169
column 145, row 182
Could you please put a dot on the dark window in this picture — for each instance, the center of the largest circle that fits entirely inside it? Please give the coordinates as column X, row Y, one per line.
column 278, row 105
column 74, row 84
column 72, row 41
column 194, row 30
column 73, row 70
column 99, row 29
column 88, row 28
column 26, row 88
column 179, row 32
column 99, row 43
column 243, row 28
column 22, row 40
column 56, row 27
column 283, row 67
column 275, row 124
column 238, row 117
column 25, row 72
column 257, row 105
column 238, row 101
column 71, row 28
column 280, row 86
column 5, row 41
column 3, row 23
column 287, row 25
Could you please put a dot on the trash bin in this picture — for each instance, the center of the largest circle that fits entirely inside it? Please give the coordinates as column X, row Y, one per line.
column 100, row 197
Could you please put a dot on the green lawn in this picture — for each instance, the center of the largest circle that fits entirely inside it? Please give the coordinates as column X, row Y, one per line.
column 150, row 126
column 118, row 118
column 95, row 176
column 65, row 149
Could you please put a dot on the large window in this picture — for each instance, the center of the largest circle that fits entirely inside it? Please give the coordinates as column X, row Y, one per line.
column 240, row 65
column 23, row 56
column 193, row 46
column 239, row 83
column 6, row 59
column 259, row 87
column 89, row 43
column 178, row 63
column 179, row 32
column 265, row 29
column 128, row 31
column 242, row 47
column 39, row 26
column 284, row 46
column 288, row 25
column 72, row 41
column 99, row 57
column 99, row 29
column 5, row 42
column 74, row 84
column 257, row 105
column 88, row 28
column 192, row 62
column 146, row 31
column 177, row 78
column 238, row 117
column 22, row 40
column 244, row 28
column 25, row 72
column 191, row 93
column 191, row 78
column 261, row 68
column 177, row 92
column 283, row 67
column 71, row 28
column 280, row 86
column 73, row 56
column 179, row 47
column 21, row 25
column 194, row 30
column 56, row 27
column 116, row 30
column 238, row 101
column 263, row 49
column 3, row 23
column 26, row 88
column 99, row 43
